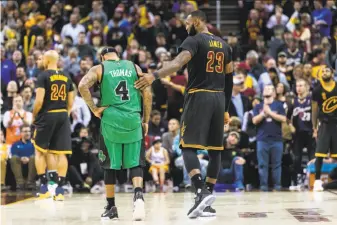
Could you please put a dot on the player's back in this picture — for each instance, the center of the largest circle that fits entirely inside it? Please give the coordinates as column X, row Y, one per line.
column 206, row 69
column 121, row 97
column 57, row 86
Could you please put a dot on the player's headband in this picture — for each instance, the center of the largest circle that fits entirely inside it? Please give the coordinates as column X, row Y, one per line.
column 108, row 50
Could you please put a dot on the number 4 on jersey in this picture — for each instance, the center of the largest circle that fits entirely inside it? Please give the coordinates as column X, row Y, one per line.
column 122, row 90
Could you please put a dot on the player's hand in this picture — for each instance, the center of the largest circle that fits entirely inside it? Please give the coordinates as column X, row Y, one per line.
column 226, row 118
column 98, row 111
column 144, row 81
column 145, row 128
column 165, row 81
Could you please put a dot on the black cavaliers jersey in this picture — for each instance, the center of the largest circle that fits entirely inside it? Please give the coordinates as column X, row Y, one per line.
column 327, row 103
column 57, row 85
column 211, row 60
column 302, row 115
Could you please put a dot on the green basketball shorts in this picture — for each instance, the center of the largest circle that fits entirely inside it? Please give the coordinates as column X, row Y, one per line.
column 121, row 156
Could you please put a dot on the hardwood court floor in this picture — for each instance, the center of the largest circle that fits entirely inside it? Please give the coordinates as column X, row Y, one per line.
column 250, row 208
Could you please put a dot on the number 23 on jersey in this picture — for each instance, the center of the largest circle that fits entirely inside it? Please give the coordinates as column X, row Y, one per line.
column 219, row 57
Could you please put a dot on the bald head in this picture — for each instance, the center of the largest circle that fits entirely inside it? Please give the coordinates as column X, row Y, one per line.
column 50, row 58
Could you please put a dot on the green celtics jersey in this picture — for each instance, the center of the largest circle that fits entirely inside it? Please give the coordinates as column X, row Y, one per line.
column 121, row 121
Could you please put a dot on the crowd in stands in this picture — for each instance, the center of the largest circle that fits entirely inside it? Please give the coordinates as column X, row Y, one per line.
column 278, row 55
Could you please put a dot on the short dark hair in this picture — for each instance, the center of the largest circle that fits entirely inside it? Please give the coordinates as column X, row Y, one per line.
column 155, row 113
column 200, row 15
column 24, row 126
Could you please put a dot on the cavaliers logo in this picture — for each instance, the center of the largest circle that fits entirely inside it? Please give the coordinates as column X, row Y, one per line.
column 330, row 105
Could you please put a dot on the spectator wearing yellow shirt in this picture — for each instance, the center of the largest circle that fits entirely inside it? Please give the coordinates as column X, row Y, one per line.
column 3, row 157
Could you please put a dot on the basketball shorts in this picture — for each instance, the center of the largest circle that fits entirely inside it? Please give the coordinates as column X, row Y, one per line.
column 202, row 121
column 52, row 133
column 158, row 167
column 327, row 140
column 119, row 156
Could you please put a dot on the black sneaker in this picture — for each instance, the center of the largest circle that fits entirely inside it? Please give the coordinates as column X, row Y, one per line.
column 110, row 213
column 208, row 212
column 203, row 199
column 138, row 207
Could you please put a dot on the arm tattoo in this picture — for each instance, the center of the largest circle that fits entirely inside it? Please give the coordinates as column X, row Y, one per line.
column 174, row 65
column 85, row 84
column 147, row 104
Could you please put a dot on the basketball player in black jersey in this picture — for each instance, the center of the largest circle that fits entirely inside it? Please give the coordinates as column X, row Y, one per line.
column 52, row 136
column 324, row 121
column 300, row 114
column 210, row 71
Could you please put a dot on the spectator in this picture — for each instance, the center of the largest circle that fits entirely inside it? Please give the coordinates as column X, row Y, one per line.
column 159, row 159
column 233, row 171
column 8, row 68
column 252, row 61
column 58, row 21
column 247, row 124
column 97, row 13
column 40, row 43
column 80, row 112
column 272, row 76
column 236, row 49
column 268, row 117
column 72, row 29
column 21, row 77
column 322, row 18
column 85, row 172
column 157, row 127
column 276, row 43
column 168, row 137
column 23, row 154
column 318, row 63
column 116, row 35
column 254, row 27
column 84, row 49
column 240, row 103
column 17, row 58
column 12, row 91
column 294, row 54
column 278, row 19
column 84, row 68
column 251, row 86
column 28, row 100
column 14, row 119
column 72, row 62
column 3, row 157
column 31, row 69
column 295, row 16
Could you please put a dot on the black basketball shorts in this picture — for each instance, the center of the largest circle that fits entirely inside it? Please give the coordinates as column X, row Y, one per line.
column 327, row 140
column 202, row 120
column 52, row 133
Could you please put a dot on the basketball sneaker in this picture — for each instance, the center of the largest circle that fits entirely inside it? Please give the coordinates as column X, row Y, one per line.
column 110, row 213
column 208, row 212
column 318, row 185
column 59, row 194
column 203, row 199
column 138, row 207
column 44, row 192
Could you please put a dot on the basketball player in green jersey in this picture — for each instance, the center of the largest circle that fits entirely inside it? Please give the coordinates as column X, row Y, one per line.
column 121, row 143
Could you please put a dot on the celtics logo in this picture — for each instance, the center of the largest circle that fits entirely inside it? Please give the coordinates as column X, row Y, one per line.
column 101, row 156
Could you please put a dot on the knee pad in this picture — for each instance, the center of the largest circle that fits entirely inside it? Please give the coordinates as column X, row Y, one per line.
column 110, row 177
column 136, row 172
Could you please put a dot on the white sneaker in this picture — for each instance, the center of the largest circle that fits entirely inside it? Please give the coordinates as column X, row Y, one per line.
column 97, row 189
column 68, row 188
column 318, row 185
column 296, row 188
column 138, row 209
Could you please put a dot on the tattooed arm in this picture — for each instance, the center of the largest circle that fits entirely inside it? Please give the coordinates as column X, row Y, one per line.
column 147, row 103
column 168, row 68
column 93, row 75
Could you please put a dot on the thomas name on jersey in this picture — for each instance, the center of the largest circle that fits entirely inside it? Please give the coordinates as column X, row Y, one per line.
column 215, row 44
column 121, row 73
column 60, row 77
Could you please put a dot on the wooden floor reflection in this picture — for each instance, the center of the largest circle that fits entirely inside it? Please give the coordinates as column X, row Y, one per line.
column 273, row 208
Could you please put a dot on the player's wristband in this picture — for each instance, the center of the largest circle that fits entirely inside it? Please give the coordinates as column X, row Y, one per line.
column 156, row 75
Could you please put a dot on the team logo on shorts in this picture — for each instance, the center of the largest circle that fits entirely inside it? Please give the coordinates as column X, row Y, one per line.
column 183, row 128
column 101, row 156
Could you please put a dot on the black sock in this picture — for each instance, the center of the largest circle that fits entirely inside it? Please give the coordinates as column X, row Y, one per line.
column 53, row 176
column 138, row 189
column 318, row 167
column 210, row 187
column 197, row 182
column 43, row 179
column 111, row 202
column 61, row 181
